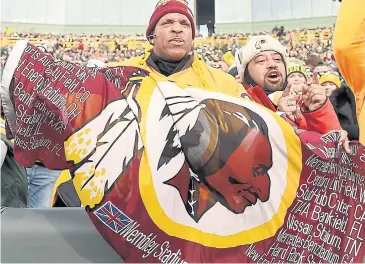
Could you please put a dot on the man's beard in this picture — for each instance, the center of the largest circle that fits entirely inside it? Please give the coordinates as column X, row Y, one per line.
column 274, row 87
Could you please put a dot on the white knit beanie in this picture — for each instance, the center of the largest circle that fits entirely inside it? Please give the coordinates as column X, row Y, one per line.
column 254, row 46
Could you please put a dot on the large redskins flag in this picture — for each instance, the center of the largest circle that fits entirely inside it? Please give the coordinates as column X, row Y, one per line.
column 173, row 173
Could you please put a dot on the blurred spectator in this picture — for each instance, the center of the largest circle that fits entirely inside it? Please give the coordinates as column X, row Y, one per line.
column 330, row 81
column 343, row 101
column 313, row 61
column 321, row 70
column 297, row 76
column 227, row 61
column 14, row 185
column 281, row 32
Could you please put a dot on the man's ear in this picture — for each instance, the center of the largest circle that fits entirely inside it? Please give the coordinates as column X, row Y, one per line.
column 151, row 38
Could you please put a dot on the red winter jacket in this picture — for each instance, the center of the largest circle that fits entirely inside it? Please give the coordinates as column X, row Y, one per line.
column 322, row 121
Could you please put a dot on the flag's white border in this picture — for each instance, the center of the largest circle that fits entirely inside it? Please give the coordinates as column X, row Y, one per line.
column 8, row 73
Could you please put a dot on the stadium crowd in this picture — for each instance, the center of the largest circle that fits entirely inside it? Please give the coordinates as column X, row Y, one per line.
column 303, row 44
column 306, row 57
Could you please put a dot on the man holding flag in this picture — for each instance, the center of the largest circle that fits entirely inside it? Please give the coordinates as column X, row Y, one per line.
column 171, row 32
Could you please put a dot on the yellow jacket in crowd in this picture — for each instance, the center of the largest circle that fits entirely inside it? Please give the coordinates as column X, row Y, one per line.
column 198, row 75
column 349, row 45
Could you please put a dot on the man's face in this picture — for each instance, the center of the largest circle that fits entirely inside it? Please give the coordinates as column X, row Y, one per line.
column 267, row 70
column 173, row 37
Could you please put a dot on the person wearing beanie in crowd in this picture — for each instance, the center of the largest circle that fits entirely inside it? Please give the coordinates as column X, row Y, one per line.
column 349, row 47
column 227, row 61
column 330, row 81
column 228, row 65
column 343, row 102
column 263, row 67
column 297, row 76
column 171, row 32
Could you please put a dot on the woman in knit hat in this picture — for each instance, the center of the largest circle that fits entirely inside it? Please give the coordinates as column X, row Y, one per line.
column 343, row 101
column 330, row 82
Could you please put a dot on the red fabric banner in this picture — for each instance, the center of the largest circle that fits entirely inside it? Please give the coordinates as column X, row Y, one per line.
column 172, row 173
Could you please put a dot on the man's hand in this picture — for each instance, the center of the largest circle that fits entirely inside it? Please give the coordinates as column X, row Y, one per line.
column 343, row 141
column 288, row 103
column 314, row 95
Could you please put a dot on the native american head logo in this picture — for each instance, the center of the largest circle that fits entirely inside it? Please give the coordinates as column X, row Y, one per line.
column 259, row 43
column 228, row 154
